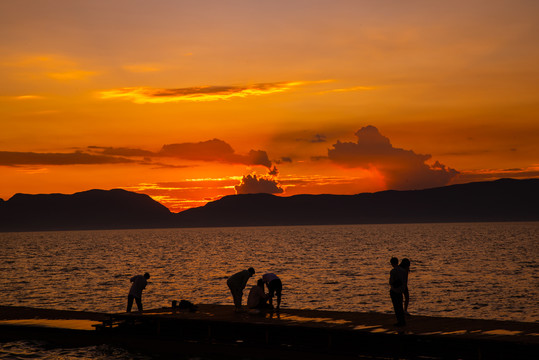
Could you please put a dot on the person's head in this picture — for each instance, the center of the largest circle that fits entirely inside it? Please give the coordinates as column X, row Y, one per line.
column 405, row 264
column 394, row 261
column 146, row 275
column 260, row 283
column 251, row 271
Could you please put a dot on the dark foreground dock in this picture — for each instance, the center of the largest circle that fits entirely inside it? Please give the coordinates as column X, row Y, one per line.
column 216, row 331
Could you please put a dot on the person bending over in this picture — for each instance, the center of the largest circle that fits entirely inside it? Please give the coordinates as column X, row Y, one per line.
column 275, row 286
column 236, row 283
column 139, row 283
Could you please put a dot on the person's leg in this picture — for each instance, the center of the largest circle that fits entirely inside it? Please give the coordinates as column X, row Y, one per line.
column 406, row 301
column 278, row 292
column 271, row 292
column 139, row 303
column 129, row 302
column 237, row 295
column 396, row 299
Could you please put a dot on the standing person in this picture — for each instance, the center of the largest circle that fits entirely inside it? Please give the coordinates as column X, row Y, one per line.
column 275, row 286
column 405, row 265
column 135, row 293
column 396, row 281
column 257, row 298
column 236, row 283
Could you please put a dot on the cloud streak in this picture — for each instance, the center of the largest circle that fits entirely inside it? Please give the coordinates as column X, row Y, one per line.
column 350, row 89
column 401, row 169
column 144, row 95
column 12, row 158
column 214, row 150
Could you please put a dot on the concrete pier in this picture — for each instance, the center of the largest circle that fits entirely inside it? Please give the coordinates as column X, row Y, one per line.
column 216, row 331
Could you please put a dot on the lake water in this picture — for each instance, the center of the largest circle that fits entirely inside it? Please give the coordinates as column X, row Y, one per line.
column 472, row 270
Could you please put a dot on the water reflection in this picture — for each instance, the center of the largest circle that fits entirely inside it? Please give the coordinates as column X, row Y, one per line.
column 42, row 350
column 456, row 268
column 55, row 323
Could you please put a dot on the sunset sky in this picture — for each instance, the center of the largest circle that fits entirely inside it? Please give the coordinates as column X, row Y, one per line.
column 188, row 101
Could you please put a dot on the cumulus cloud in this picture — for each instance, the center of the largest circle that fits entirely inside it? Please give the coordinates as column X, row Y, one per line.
column 11, row 158
column 214, row 150
column 253, row 184
column 402, row 169
column 143, row 95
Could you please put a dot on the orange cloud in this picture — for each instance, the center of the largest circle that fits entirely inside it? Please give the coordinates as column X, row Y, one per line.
column 71, row 75
column 143, row 95
column 493, row 174
column 401, row 169
column 53, row 66
column 27, row 97
column 141, row 68
column 350, row 89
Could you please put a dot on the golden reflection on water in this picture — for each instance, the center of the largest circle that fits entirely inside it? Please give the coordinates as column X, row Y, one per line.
column 502, row 332
column 76, row 324
column 314, row 319
column 365, row 327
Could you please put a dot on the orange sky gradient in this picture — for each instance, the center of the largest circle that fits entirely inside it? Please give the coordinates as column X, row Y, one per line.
column 188, row 101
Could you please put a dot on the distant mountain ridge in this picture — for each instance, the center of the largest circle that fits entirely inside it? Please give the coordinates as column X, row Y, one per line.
column 500, row 200
column 92, row 209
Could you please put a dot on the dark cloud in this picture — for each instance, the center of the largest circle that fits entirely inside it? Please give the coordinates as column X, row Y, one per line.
column 214, row 150
column 318, row 138
column 121, row 151
column 402, row 169
column 285, row 159
column 253, row 184
column 273, row 171
column 11, row 158
column 211, row 150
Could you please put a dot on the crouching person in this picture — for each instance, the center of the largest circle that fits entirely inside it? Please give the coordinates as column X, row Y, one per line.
column 258, row 299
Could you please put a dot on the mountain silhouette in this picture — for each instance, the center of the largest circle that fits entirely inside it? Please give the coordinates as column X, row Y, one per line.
column 500, row 200
column 93, row 209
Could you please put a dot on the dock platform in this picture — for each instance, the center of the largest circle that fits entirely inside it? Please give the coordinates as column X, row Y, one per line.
column 217, row 331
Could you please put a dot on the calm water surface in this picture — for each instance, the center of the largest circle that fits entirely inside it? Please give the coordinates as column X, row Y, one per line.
column 473, row 270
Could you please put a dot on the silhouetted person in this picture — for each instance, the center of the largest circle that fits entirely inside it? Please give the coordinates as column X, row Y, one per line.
column 257, row 298
column 275, row 286
column 135, row 293
column 405, row 265
column 396, row 281
column 236, row 283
